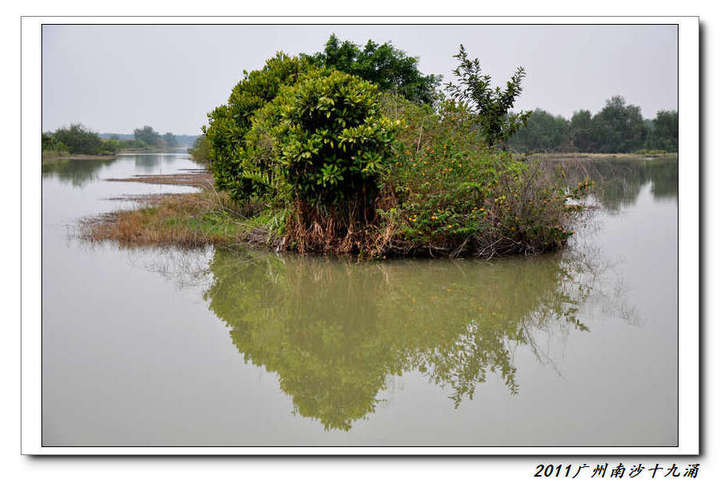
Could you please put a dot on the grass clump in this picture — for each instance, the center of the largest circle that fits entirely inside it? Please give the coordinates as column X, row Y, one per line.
column 188, row 220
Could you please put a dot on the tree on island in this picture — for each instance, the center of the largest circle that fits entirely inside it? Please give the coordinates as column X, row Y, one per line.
column 382, row 64
column 491, row 106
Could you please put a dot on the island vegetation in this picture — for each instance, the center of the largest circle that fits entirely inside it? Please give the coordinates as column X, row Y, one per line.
column 353, row 150
column 79, row 142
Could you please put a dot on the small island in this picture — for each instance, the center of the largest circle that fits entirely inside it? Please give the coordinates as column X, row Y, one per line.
column 352, row 150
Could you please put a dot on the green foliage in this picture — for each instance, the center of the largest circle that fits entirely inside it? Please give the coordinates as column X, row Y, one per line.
column 327, row 139
column 663, row 132
column 618, row 127
column 355, row 166
column 51, row 144
column 382, row 64
column 76, row 139
column 490, row 106
column 456, row 196
column 228, row 124
column 147, row 136
column 169, row 140
column 581, row 131
column 543, row 133
column 200, row 151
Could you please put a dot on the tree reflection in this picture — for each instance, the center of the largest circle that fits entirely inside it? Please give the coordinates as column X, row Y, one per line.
column 334, row 330
column 619, row 181
column 77, row 172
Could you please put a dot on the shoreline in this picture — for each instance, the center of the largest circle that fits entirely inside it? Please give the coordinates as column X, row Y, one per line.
column 599, row 155
column 210, row 217
column 55, row 158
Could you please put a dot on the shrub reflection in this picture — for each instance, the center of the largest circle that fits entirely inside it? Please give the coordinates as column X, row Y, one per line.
column 335, row 330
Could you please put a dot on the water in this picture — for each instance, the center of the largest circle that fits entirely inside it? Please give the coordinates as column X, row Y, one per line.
column 160, row 347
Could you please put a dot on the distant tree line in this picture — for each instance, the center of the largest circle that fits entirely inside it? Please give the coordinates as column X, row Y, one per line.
column 617, row 128
column 76, row 139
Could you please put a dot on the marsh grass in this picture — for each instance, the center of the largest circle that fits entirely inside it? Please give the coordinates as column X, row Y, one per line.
column 186, row 220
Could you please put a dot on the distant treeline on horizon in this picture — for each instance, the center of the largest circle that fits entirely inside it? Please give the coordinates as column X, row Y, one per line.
column 76, row 139
column 617, row 128
column 182, row 140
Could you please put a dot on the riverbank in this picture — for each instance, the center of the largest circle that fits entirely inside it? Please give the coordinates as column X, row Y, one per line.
column 196, row 178
column 559, row 156
column 51, row 157
column 185, row 220
column 209, row 216
column 154, row 150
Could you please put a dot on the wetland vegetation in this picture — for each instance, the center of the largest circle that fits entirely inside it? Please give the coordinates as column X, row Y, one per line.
column 354, row 151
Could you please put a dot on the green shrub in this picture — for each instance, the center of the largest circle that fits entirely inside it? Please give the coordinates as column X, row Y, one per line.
column 228, row 124
column 200, row 151
column 79, row 140
column 51, row 144
column 328, row 139
column 453, row 195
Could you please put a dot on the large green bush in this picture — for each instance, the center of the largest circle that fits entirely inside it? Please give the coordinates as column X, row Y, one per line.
column 228, row 124
column 327, row 138
column 383, row 65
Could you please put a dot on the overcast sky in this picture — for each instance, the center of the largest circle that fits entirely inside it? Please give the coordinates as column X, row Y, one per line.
column 117, row 78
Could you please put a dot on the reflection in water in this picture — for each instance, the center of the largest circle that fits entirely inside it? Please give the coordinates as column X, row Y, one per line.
column 619, row 181
column 334, row 330
column 77, row 172
column 147, row 162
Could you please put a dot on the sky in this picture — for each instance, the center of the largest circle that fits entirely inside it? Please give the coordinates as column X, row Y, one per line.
column 115, row 78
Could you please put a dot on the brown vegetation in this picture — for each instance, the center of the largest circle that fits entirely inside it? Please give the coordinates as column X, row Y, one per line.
column 198, row 178
column 186, row 220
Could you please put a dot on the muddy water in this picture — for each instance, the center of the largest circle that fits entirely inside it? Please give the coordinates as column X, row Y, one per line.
column 153, row 347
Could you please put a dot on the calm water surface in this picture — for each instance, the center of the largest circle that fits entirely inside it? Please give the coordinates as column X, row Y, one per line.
column 153, row 347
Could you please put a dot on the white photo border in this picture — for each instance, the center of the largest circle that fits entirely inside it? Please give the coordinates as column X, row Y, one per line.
column 688, row 240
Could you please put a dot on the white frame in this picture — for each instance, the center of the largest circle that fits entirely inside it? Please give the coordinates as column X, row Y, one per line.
column 688, row 243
